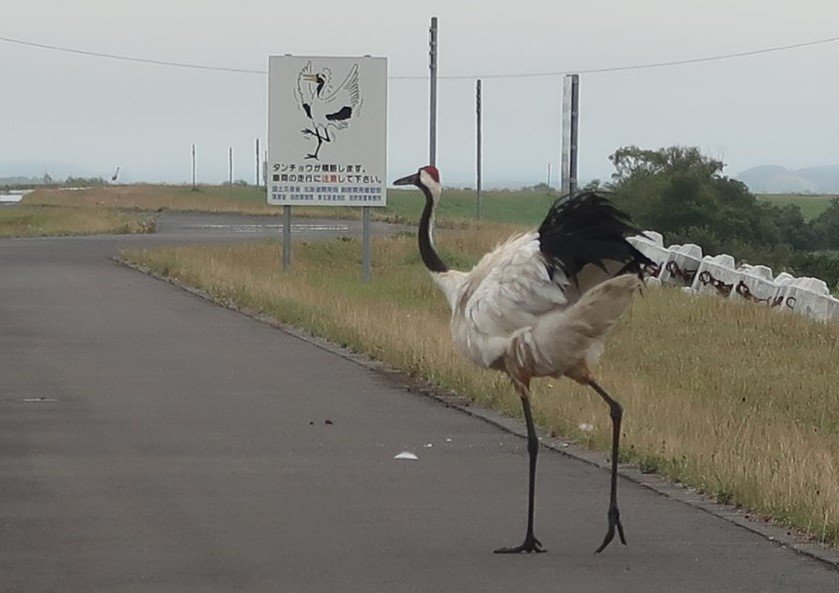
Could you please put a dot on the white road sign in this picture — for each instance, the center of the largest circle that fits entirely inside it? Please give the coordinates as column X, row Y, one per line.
column 327, row 131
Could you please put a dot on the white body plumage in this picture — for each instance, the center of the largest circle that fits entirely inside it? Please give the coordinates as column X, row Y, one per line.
column 509, row 314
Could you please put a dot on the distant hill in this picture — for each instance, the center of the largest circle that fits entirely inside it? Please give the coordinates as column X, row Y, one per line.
column 774, row 179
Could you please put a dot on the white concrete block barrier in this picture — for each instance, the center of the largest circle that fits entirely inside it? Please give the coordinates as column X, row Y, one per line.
column 716, row 275
column 682, row 265
column 651, row 244
column 810, row 297
column 756, row 284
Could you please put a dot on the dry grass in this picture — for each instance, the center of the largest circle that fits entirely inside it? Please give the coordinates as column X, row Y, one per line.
column 402, row 205
column 735, row 399
column 157, row 198
column 33, row 221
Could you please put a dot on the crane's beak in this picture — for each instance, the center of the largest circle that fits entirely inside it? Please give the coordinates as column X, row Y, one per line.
column 310, row 77
column 409, row 180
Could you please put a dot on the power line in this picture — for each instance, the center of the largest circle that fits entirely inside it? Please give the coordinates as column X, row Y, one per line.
column 130, row 58
column 606, row 69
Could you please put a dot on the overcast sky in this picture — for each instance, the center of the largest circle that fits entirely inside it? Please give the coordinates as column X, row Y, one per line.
column 67, row 113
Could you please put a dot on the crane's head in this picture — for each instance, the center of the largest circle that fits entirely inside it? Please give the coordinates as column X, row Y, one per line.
column 427, row 177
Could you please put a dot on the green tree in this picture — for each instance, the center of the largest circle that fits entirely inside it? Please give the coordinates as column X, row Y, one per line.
column 826, row 227
column 683, row 194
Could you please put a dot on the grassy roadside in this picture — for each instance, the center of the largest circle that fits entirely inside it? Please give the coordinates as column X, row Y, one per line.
column 34, row 221
column 403, row 205
column 117, row 209
column 732, row 398
column 520, row 207
column 233, row 199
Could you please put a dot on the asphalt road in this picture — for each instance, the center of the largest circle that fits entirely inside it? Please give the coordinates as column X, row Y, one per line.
column 151, row 441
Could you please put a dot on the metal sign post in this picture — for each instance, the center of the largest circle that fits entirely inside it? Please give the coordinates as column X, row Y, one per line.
column 366, row 251
column 286, row 237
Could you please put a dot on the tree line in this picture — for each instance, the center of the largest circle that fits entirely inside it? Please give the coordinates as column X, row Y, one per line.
column 684, row 195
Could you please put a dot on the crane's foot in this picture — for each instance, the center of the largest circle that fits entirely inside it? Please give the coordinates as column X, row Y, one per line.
column 312, row 156
column 614, row 522
column 530, row 545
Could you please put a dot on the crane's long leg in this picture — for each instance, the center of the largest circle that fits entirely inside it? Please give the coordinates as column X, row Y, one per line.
column 321, row 139
column 530, row 544
column 616, row 412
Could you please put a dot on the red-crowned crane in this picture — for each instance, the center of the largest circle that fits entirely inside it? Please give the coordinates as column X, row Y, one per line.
column 540, row 305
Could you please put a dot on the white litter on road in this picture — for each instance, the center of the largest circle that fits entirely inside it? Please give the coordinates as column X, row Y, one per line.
column 406, row 455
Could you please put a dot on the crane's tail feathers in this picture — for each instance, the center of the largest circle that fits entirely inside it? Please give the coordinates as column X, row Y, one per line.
column 586, row 228
column 561, row 340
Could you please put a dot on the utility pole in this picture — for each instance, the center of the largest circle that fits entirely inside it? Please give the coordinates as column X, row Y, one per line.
column 575, row 112
column 478, row 155
column 193, row 167
column 570, row 115
column 257, row 163
column 230, row 166
column 432, row 66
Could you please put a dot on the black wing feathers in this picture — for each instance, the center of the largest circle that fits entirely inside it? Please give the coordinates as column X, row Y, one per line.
column 586, row 228
column 344, row 113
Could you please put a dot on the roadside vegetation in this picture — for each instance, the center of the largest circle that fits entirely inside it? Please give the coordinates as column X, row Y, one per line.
column 157, row 198
column 683, row 194
column 676, row 191
column 525, row 207
column 36, row 221
column 734, row 399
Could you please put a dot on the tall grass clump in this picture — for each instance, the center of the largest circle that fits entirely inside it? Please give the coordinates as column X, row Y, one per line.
column 735, row 399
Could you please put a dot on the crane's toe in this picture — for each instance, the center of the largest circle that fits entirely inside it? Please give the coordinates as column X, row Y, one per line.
column 530, row 545
column 614, row 523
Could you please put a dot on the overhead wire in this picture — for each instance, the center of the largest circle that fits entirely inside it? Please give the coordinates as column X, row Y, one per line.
column 605, row 69
column 130, row 58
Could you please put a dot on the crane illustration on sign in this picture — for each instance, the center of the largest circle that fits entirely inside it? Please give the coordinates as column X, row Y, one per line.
column 325, row 104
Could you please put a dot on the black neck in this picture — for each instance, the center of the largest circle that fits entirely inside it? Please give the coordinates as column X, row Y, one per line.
column 429, row 255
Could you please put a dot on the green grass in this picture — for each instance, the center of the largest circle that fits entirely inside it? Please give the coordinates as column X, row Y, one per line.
column 811, row 205
column 735, row 399
column 517, row 207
